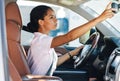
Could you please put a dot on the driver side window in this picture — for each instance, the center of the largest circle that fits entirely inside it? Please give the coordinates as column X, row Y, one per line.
column 66, row 21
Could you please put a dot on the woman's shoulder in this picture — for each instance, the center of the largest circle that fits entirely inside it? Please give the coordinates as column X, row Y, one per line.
column 42, row 37
column 41, row 34
column 41, row 40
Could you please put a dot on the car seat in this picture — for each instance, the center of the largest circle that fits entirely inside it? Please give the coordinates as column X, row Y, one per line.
column 18, row 66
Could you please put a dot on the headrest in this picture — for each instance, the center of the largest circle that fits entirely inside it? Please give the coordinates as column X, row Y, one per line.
column 13, row 13
column 13, row 31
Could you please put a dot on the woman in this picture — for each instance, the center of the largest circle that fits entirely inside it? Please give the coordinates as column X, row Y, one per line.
column 42, row 58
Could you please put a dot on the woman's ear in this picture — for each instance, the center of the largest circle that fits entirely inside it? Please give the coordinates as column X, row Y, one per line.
column 40, row 22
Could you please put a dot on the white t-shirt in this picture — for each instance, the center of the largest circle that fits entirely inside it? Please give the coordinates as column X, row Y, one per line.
column 40, row 55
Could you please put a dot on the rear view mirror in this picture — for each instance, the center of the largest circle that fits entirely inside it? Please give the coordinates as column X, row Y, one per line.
column 116, row 6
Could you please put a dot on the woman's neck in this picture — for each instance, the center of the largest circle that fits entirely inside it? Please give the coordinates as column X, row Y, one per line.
column 43, row 31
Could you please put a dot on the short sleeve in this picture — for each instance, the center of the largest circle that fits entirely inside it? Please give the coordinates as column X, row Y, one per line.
column 43, row 41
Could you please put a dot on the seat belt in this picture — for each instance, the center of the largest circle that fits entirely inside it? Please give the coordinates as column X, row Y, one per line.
column 49, row 70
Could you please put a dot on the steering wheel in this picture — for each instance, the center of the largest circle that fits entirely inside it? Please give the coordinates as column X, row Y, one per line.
column 87, row 50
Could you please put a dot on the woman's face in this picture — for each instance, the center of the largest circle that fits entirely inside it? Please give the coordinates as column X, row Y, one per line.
column 50, row 21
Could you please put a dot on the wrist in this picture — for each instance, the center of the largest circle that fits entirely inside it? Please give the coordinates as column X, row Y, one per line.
column 69, row 54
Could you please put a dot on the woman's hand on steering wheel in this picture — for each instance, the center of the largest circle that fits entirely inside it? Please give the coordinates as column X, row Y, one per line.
column 76, row 50
column 88, row 49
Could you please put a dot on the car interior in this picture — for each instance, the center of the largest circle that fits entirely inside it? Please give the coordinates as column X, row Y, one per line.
column 17, row 55
column 98, row 60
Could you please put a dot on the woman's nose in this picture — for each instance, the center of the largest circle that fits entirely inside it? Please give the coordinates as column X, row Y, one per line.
column 56, row 20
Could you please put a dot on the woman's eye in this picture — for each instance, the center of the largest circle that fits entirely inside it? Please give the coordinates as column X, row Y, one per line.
column 52, row 17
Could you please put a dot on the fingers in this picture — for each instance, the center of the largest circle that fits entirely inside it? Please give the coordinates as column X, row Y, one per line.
column 80, row 47
column 109, row 5
column 109, row 13
column 111, row 9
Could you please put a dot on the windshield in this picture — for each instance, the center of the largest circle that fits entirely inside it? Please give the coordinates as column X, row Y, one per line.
column 95, row 6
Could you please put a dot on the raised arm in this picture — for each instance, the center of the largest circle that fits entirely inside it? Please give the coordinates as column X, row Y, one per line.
column 80, row 30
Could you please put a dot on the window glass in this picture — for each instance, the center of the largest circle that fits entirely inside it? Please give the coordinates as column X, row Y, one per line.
column 98, row 6
column 66, row 21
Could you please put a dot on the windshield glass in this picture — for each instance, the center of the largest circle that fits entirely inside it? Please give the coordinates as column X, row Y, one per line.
column 95, row 6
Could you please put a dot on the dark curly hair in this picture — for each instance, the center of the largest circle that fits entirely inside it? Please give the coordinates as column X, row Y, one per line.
column 37, row 13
